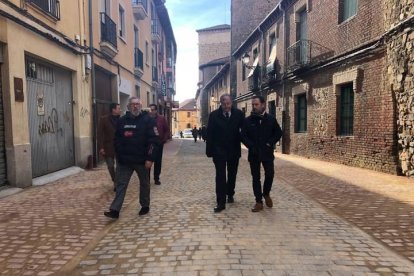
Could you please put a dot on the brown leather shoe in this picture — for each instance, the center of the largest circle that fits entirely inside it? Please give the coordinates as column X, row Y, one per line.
column 268, row 201
column 257, row 207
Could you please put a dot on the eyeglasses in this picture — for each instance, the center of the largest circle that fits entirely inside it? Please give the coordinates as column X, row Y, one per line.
column 134, row 104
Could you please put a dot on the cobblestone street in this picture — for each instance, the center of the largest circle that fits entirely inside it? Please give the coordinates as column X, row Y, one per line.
column 312, row 229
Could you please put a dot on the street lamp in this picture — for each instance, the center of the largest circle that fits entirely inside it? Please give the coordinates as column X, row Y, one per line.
column 246, row 60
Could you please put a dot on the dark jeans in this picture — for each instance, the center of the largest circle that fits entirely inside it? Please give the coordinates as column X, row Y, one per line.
column 123, row 176
column 269, row 174
column 225, row 186
column 157, row 164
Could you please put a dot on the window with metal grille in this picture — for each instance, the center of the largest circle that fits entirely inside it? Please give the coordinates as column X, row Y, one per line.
column 39, row 72
column 347, row 9
column 301, row 114
column 51, row 7
column 346, row 110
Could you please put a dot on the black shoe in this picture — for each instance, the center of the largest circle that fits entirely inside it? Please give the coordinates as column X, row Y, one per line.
column 112, row 214
column 157, row 182
column 219, row 208
column 143, row 211
column 230, row 199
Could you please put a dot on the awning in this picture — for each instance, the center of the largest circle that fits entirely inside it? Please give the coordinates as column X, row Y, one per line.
column 270, row 67
column 255, row 63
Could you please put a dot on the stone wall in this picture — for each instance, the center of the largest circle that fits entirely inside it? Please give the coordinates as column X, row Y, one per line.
column 400, row 58
column 213, row 45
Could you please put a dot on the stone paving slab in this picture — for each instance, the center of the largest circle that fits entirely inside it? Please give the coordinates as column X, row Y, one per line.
column 380, row 204
column 182, row 236
column 42, row 228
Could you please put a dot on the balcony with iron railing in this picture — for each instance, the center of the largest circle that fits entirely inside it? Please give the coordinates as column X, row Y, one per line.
column 140, row 9
column 50, row 7
column 254, row 80
column 154, row 76
column 305, row 53
column 138, row 63
column 156, row 31
column 108, row 35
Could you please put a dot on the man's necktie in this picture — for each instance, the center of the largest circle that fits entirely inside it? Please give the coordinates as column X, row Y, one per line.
column 227, row 115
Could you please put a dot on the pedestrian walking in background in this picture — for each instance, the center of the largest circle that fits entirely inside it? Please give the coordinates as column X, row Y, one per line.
column 223, row 145
column 106, row 133
column 199, row 133
column 194, row 132
column 204, row 133
column 181, row 134
column 260, row 133
column 164, row 134
column 136, row 142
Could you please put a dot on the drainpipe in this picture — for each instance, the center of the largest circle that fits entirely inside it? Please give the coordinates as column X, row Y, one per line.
column 283, row 123
column 263, row 59
column 94, row 111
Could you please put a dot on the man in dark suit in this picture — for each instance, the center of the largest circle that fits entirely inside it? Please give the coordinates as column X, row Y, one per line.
column 260, row 133
column 223, row 145
column 106, row 133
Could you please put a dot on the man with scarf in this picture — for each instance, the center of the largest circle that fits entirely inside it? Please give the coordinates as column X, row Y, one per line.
column 260, row 133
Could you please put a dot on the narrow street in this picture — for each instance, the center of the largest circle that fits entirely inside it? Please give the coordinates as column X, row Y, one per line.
column 327, row 220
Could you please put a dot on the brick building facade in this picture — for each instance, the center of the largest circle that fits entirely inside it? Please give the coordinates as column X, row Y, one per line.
column 213, row 50
column 245, row 16
column 322, row 67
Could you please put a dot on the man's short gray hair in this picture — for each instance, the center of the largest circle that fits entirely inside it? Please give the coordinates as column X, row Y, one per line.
column 133, row 98
column 223, row 96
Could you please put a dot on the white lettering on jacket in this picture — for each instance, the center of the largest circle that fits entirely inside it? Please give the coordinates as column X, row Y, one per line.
column 130, row 126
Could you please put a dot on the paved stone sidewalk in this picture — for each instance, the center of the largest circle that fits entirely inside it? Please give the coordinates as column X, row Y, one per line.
column 380, row 204
column 182, row 235
column 42, row 228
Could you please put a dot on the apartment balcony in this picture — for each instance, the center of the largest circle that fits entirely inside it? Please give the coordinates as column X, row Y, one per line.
column 49, row 7
column 305, row 53
column 254, row 79
column 138, row 63
column 154, row 76
column 140, row 9
column 156, row 31
column 108, row 36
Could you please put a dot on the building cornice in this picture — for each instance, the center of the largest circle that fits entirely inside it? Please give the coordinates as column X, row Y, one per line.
column 19, row 16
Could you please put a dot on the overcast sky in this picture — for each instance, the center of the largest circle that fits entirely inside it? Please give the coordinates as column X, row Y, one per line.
column 187, row 16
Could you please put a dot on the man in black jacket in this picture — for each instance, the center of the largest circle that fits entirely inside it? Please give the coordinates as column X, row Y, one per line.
column 260, row 133
column 223, row 144
column 136, row 141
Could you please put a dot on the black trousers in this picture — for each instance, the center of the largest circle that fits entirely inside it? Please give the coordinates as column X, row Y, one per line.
column 225, row 186
column 269, row 171
column 157, row 164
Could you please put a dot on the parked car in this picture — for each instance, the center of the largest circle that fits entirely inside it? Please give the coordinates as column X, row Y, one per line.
column 187, row 133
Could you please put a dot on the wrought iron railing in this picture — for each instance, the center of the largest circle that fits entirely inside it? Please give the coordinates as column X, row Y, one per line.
column 154, row 74
column 144, row 3
column 108, row 30
column 169, row 62
column 306, row 52
column 138, row 59
column 254, row 79
column 155, row 27
column 52, row 7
